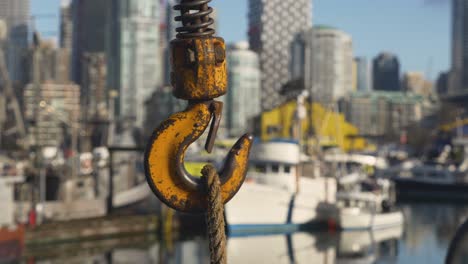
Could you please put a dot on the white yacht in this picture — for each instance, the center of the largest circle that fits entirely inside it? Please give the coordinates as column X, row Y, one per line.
column 360, row 159
column 363, row 201
column 276, row 195
column 362, row 211
column 64, row 195
column 439, row 181
column 368, row 206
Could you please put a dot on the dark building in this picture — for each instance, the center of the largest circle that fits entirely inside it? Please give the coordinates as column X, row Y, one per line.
column 93, row 87
column 386, row 72
column 458, row 79
column 66, row 27
column 55, row 64
column 15, row 14
column 442, row 83
column 90, row 28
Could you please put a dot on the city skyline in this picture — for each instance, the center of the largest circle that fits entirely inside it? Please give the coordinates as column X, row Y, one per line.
column 420, row 21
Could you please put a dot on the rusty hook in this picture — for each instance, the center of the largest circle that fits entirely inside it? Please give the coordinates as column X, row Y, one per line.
column 198, row 75
column 164, row 158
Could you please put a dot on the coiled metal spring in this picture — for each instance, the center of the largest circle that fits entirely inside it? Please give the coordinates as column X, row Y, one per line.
column 195, row 18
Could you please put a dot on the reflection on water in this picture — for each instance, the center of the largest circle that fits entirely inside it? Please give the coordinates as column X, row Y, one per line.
column 424, row 239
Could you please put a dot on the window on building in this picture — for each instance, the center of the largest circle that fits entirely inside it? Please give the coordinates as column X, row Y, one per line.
column 260, row 168
column 275, row 168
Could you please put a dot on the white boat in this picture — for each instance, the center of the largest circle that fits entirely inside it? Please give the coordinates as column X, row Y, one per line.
column 366, row 210
column 86, row 195
column 65, row 196
column 363, row 201
column 130, row 185
column 7, row 183
column 276, row 195
column 357, row 158
column 429, row 182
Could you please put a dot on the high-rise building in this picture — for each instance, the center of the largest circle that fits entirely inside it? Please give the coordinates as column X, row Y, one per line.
column 416, row 82
column 55, row 64
column 363, row 72
column 91, row 26
column 273, row 24
column 458, row 80
column 323, row 58
column 379, row 113
column 442, row 83
column 93, row 86
column 55, row 116
column 354, row 85
column 386, row 72
column 15, row 13
column 243, row 96
column 135, row 64
column 66, row 25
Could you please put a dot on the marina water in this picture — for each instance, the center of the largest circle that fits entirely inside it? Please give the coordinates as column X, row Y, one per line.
column 424, row 238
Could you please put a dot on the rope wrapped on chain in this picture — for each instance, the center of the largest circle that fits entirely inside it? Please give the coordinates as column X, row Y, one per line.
column 215, row 216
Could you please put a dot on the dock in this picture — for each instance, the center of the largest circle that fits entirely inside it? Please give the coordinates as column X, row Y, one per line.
column 90, row 229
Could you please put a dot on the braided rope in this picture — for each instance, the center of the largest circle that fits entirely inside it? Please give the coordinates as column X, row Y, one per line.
column 215, row 216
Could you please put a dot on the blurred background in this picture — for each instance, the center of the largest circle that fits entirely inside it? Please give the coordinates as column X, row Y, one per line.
column 359, row 110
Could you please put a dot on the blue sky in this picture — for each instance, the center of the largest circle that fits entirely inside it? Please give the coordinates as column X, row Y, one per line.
column 418, row 31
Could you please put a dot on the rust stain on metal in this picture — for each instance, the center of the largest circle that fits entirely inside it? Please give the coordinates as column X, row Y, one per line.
column 166, row 152
column 199, row 75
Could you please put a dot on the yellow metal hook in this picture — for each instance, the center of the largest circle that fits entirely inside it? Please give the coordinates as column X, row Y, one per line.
column 165, row 154
column 198, row 75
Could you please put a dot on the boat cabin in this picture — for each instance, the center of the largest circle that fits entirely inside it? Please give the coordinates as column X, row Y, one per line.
column 275, row 164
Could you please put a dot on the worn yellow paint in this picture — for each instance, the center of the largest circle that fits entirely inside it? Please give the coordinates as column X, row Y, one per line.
column 198, row 74
column 330, row 127
column 199, row 68
column 161, row 159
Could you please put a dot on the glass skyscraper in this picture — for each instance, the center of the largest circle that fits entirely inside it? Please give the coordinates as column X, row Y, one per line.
column 243, row 96
column 15, row 14
column 386, row 72
column 459, row 73
column 273, row 24
column 323, row 59
column 136, row 56
column 363, row 72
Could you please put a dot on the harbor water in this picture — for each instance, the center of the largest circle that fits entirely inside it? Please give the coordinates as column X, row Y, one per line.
column 425, row 238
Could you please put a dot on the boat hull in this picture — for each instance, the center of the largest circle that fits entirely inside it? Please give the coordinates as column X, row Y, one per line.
column 355, row 219
column 84, row 208
column 11, row 244
column 259, row 206
column 411, row 190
